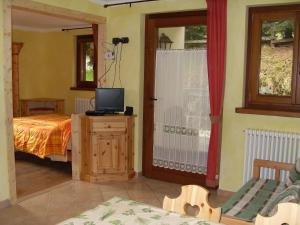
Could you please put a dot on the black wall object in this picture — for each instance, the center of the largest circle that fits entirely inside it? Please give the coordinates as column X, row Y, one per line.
column 124, row 40
column 117, row 40
column 129, row 111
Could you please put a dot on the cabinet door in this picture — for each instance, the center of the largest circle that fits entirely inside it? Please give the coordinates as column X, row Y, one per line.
column 108, row 153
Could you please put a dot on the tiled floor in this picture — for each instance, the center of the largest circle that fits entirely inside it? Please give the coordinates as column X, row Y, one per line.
column 74, row 197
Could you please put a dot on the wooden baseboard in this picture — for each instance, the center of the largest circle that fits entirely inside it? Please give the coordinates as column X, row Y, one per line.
column 224, row 193
column 4, row 204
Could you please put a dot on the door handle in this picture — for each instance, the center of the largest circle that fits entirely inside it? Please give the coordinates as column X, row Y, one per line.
column 153, row 99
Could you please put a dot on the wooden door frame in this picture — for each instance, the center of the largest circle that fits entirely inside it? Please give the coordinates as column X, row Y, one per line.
column 152, row 23
column 32, row 6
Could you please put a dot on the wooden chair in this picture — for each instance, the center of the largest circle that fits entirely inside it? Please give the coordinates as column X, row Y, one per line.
column 288, row 213
column 193, row 195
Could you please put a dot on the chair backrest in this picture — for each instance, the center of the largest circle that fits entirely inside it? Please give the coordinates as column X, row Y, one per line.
column 287, row 213
column 195, row 196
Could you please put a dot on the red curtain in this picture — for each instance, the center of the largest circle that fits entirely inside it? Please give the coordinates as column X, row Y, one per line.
column 216, row 50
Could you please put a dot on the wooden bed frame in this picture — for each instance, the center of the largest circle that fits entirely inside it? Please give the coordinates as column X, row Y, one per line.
column 257, row 165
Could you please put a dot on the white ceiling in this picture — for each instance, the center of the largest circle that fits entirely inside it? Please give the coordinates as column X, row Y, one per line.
column 33, row 21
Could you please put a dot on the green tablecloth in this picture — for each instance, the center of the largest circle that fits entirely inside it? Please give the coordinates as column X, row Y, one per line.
column 118, row 211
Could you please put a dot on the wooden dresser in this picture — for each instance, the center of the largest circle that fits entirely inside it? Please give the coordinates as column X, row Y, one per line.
column 37, row 106
column 107, row 151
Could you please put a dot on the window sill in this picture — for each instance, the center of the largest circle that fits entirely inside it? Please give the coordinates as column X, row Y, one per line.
column 268, row 112
column 82, row 89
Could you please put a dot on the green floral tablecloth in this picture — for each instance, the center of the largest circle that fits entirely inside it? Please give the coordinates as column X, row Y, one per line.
column 118, row 211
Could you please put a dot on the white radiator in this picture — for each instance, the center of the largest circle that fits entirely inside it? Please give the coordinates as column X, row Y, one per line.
column 84, row 104
column 270, row 145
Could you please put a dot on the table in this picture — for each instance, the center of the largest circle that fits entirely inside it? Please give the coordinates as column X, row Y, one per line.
column 118, row 211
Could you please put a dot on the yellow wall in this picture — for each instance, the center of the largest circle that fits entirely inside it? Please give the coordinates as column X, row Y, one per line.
column 53, row 54
column 80, row 5
column 176, row 35
column 4, row 187
column 48, row 63
column 125, row 21
column 86, row 6
column 122, row 21
column 232, row 156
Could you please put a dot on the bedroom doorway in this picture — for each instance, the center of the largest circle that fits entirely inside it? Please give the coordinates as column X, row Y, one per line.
column 176, row 98
column 42, row 128
column 67, row 14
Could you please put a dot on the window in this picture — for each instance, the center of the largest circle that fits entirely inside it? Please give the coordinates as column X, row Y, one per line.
column 273, row 81
column 86, row 62
column 196, row 36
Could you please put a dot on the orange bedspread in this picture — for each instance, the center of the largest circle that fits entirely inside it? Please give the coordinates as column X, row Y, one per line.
column 42, row 135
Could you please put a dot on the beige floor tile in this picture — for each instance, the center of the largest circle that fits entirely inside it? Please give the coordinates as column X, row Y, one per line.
column 14, row 215
column 54, row 205
column 121, row 194
column 114, row 186
column 33, row 221
column 76, row 197
column 37, row 206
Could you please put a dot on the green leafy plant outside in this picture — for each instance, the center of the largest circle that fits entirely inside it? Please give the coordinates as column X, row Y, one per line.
column 276, row 62
column 275, row 75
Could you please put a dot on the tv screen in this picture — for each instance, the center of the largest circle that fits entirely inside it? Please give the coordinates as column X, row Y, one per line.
column 109, row 100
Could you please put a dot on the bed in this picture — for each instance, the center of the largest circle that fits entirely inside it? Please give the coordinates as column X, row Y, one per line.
column 44, row 136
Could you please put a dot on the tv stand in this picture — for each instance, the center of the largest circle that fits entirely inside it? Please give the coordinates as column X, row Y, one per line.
column 100, row 113
column 107, row 148
column 111, row 113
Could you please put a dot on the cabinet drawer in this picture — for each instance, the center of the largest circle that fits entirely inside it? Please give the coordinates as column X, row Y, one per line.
column 108, row 126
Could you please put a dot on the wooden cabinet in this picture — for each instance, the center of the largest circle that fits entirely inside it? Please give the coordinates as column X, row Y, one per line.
column 108, row 153
column 37, row 106
column 107, row 148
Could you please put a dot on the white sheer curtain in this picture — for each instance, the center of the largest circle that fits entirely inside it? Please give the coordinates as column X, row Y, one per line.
column 181, row 113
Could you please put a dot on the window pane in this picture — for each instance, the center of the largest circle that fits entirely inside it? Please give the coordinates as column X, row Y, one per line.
column 196, row 36
column 89, row 61
column 276, row 63
column 182, row 37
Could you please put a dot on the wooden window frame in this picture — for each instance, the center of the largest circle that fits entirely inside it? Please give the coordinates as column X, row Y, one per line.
column 262, row 103
column 81, row 39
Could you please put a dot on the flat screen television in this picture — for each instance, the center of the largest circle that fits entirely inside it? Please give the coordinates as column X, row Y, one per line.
column 109, row 100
